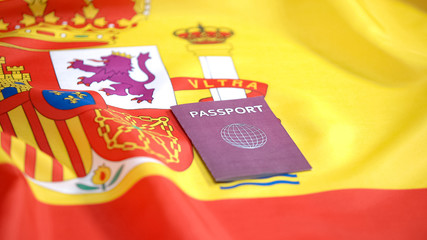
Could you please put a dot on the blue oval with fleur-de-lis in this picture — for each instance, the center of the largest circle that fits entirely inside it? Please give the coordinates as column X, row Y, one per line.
column 65, row 100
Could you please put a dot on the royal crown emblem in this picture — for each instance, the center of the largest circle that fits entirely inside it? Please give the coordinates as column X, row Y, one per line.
column 204, row 35
column 84, row 23
column 122, row 54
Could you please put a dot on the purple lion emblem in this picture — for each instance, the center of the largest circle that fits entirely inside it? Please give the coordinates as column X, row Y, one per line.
column 116, row 68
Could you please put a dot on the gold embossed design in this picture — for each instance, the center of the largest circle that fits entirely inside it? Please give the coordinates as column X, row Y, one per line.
column 132, row 133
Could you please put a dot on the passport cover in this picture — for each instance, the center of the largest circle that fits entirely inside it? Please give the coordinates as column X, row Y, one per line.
column 240, row 139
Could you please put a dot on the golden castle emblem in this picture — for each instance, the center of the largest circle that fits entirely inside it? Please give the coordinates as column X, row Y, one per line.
column 13, row 82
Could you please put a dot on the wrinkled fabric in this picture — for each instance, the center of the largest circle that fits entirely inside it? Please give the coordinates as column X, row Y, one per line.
column 347, row 79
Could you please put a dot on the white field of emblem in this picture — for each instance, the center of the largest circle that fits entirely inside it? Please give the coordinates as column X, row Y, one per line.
column 153, row 72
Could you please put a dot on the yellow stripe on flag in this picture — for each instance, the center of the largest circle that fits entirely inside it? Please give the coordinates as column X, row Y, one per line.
column 17, row 153
column 22, row 126
column 4, row 158
column 57, row 145
column 191, row 96
column 82, row 143
column 44, row 165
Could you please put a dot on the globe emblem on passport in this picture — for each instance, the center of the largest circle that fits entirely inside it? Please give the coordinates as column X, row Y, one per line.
column 243, row 136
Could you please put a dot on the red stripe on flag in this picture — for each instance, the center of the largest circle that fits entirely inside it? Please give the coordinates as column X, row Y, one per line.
column 37, row 128
column 57, row 171
column 5, row 142
column 6, row 124
column 154, row 208
column 72, row 149
column 45, row 33
column 190, row 83
column 30, row 160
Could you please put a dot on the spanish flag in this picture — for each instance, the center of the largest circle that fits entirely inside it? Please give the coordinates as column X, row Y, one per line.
column 89, row 148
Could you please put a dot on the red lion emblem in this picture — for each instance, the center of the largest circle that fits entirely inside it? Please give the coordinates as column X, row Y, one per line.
column 116, row 68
